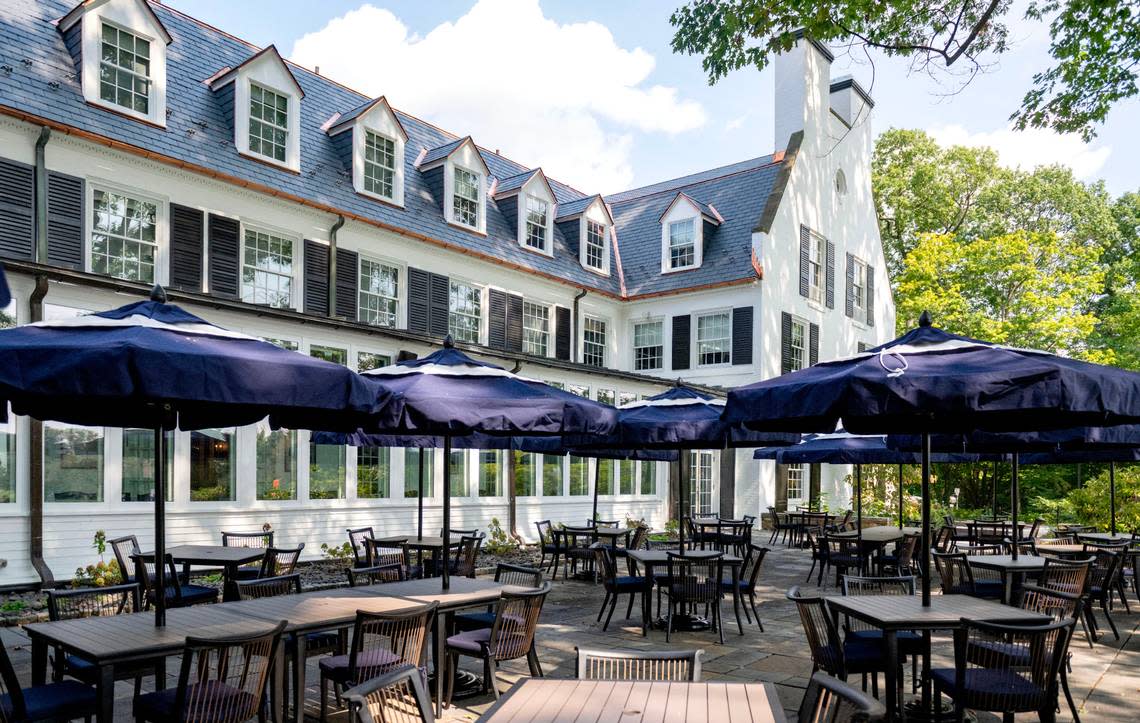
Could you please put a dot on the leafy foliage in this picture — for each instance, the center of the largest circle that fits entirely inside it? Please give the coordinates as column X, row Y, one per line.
column 1090, row 503
column 337, row 553
column 498, row 541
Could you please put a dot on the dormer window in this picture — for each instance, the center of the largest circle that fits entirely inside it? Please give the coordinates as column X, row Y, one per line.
column 457, row 176
column 595, row 245
column 379, row 165
column 686, row 225
column 586, row 224
column 124, row 70
column 537, row 223
column 465, row 197
column 268, row 123
column 527, row 203
column 370, row 141
column 682, row 244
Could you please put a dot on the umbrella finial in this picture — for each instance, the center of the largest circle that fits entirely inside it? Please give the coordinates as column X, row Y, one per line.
column 448, row 342
column 924, row 319
column 158, row 294
column 678, row 383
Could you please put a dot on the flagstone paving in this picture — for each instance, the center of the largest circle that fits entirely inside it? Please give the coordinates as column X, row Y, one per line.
column 1105, row 679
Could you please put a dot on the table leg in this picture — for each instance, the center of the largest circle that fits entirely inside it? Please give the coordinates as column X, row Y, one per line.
column 1007, row 586
column 736, row 597
column 39, row 660
column 299, row 658
column 277, row 690
column 647, row 601
column 105, row 690
column 229, row 587
column 926, row 692
column 160, row 674
column 440, row 660
column 892, row 689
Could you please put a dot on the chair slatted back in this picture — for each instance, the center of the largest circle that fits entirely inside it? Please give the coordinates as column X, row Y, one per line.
column 93, row 602
column 144, row 575
column 544, row 532
column 1020, row 664
column 641, row 665
column 640, row 538
column 1102, row 574
column 376, row 575
column 15, row 711
column 518, row 575
column 943, row 539
column 516, row 619
column 955, row 573
column 269, row 586
column 753, row 559
column 1054, row 603
column 280, row 561
column 466, row 555
column 381, row 642
column 1068, row 576
column 256, row 540
column 223, row 680
column 387, row 552
column 830, row 700
column 819, row 628
column 694, row 579
column 397, row 697
column 125, row 548
column 854, row 585
column 460, row 533
column 356, row 540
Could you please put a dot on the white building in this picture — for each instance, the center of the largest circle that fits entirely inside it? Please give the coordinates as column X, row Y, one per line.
column 140, row 146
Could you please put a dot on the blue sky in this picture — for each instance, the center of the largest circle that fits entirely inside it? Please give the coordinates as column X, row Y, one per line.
column 592, row 92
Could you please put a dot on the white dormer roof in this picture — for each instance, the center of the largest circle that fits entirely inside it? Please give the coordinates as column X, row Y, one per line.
column 510, row 186
column 139, row 15
column 368, row 114
column 570, row 210
column 707, row 211
column 437, row 156
column 263, row 57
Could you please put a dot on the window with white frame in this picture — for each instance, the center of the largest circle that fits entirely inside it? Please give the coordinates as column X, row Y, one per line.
column 379, row 293
column 701, row 483
column 859, row 285
column 795, row 482
column 268, row 123
column 536, row 328
column 379, row 165
column 817, row 258
column 267, row 269
column 593, row 342
column 366, row 360
column 798, row 344
column 648, row 345
column 682, row 243
column 714, row 339
column 595, row 245
column 465, row 197
column 124, row 69
column 465, row 312
column 123, row 236
column 8, row 460
column 537, row 215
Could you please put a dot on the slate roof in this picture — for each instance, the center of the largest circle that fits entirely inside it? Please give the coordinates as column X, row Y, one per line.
column 569, row 208
column 514, row 182
column 197, row 132
column 441, row 152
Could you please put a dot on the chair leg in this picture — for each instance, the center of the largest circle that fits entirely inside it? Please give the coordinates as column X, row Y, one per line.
column 811, row 570
column 755, row 612
column 613, row 605
column 605, row 602
column 719, row 620
column 492, row 674
column 533, row 662
column 1069, row 695
column 324, row 699
column 1123, row 598
column 1104, row 604
column 629, row 610
column 668, row 618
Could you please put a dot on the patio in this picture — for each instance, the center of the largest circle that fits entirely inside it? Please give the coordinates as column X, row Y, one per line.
column 1104, row 679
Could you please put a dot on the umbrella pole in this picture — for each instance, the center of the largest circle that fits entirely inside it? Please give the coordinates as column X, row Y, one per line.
column 159, row 528
column 682, row 483
column 446, row 511
column 901, row 497
column 859, row 512
column 925, row 542
column 597, row 478
column 1112, row 497
column 1014, row 495
column 420, row 499
column 993, row 487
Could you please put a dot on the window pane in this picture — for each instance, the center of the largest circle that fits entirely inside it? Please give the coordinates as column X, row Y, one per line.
column 373, row 472
column 714, row 339
column 267, row 270
column 379, row 293
column 552, row 475
column 579, row 476
column 648, row 345
column 123, row 241
column 595, row 245
column 605, row 477
column 8, row 460
column 701, row 483
column 524, row 474
column 648, row 478
column 594, row 342
column 268, row 122
column 367, row 360
column 465, row 306
column 73, row 463
column 124, row 69
column 606, row 396
column 412, row 472
column 326, row 471
column 329, row 354
column 490, row 480
column 682, row 244
column 536, row 328
column 276, row 463
column 536, row 220
column 213, row 465
column 465, row 201
column 457, row 468
column 138, row 465
column 379, row 165
column 625, row 476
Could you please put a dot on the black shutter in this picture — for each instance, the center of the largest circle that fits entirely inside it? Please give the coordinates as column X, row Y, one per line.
column 813, row 344
column 742, row 335
column 681, row 342
column 17, row 210
column 496, row 319
column 439, row 305
column 727, row 483
column 65, row 220
column 849, row 303
column 186, row 226
column 316, row 278
column 562, row 333
column 869, row 296
column 347, row 283
column 514, row 322
column 224, row 255
column 861, row 347
column 805, row 262
column 419, row 309
column 786, row 343
column 829, row 295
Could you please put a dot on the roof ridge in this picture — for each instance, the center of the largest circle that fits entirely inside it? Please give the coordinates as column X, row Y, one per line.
column 633, row 195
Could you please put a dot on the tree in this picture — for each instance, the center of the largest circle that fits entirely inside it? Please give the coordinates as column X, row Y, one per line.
column 1095, row 44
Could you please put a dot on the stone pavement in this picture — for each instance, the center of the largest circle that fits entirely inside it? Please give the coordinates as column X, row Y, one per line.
column 1105, row 679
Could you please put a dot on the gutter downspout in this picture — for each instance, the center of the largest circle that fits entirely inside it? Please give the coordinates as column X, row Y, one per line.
column 574, row 324
column 36, row 427
column 332, row 264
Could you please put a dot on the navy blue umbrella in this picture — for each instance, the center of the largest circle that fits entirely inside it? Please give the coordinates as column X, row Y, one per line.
column 153, row 364
column 449, row 395
column 5, row 292
column 931, row 381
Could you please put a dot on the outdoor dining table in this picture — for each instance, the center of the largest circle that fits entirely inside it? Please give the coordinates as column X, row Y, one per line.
column 542, row 699
column 227, row 558
column 1011, row 569
column 895, row 613
column 1104, row 536
column 648, row 559
column 433, row 545
column 876, row 538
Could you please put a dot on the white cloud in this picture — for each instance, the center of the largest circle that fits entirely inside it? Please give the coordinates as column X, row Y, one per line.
column 566, row 97
column 735, row 123
column 1030, row 148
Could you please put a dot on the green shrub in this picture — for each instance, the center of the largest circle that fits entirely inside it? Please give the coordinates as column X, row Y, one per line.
column 498, row 541
column 338, row 553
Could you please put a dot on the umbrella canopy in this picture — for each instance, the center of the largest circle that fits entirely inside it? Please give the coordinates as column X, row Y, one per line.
column 930, row 381
column 152, row 364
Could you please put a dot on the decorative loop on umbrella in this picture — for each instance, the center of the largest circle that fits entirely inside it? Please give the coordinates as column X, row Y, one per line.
column 892, row 372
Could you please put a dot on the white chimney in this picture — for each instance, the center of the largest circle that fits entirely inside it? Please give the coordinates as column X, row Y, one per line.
column 803, row 80
column 850, row 101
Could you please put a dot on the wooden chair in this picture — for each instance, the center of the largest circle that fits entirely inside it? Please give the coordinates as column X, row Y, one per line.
column 910, row 643
column 474, row 532
column 656, row 665
column 576, row 547
column 376, row 575
column 396, row 697
column 830, row 700
column 694, row 582
column 746, row 586
column 548, row 544
column 779, row 527
column 222, row 680
column 958, row 577
column 901, row 563
column 615, row 585
column 256, row 540
column 466, row 556
column 1101, row 586
column 829, row 653
column 818, row 554
column 179, row 592
column 1005, row 668
column 381, row 643
column 639, row 541
column 603, row 523
column 516, row 575
column 510, row 637
column 125, row 549
column 280, row 561
column 62, row 700
column 843, row 554
column 390, row 552
column 356, row 538
column 1060, row 606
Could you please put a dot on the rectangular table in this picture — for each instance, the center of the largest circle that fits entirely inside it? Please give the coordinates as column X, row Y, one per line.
column 1009, row 568
column 648, row 559
column 894, row 613
column 543, row 699
column 227, row 558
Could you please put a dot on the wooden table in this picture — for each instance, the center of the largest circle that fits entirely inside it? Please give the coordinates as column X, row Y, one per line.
column 648, row 559
column 894, row 613
column 1009, row 568
column 1104, row 536
column 227, row 558
column 1063, row 550
column 541, row 699
column 431, row 544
